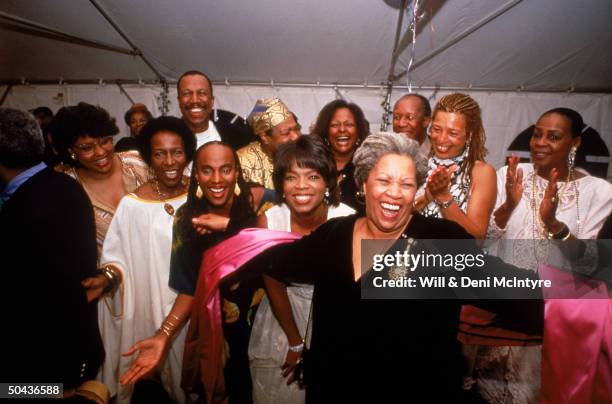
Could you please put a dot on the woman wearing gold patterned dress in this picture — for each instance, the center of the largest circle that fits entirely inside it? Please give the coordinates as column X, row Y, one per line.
column 83, row 135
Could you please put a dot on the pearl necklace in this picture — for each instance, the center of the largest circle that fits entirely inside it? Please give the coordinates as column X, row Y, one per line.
column 535, row 204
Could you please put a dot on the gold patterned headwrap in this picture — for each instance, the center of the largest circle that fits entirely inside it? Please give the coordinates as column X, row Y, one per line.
column 267, row 113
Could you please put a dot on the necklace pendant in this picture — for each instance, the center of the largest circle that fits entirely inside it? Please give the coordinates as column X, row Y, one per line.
column 169, row 209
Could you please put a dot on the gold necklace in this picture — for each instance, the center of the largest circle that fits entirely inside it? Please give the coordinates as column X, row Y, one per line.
column 167, row 207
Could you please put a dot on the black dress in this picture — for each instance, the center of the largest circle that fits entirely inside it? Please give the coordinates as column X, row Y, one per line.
column 376, row 350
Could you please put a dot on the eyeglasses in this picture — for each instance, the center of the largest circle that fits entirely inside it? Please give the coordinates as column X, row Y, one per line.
column 337, row 125
column 103, row 142
column 297, row 128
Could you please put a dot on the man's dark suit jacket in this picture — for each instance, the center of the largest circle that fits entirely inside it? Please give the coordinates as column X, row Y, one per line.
column 47, row 247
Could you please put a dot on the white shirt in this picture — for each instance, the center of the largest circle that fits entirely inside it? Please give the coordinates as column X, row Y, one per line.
column 209, row 135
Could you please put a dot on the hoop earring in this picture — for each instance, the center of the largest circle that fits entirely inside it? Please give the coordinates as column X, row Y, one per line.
column 571, row 158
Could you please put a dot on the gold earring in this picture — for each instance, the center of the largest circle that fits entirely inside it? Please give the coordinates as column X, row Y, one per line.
column 199, row 192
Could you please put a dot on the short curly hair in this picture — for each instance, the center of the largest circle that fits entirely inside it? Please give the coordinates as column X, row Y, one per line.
column 141, row 108
column 83, row 119
column 21, row 141
column 308, row 152
column 378, row 145
column 165, row 124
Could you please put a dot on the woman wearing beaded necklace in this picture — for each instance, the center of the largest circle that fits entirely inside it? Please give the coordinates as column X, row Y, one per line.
column 138, row 245
column 460, row 185
column 548, row 199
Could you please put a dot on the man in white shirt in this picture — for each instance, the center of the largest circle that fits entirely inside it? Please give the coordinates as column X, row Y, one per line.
column 411, row 116
column 196, row 102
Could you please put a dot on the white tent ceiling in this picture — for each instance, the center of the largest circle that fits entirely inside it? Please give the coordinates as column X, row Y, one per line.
column 502, row 44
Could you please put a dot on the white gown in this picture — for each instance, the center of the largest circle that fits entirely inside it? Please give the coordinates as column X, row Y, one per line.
column 268, row 345
column 584, row 205
column 139, row 242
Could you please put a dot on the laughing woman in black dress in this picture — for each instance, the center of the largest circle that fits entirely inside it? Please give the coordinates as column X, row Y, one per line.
column 375, row 350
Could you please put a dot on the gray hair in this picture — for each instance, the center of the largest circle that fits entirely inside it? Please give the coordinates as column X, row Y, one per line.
column 377, row 145
column 21, row 141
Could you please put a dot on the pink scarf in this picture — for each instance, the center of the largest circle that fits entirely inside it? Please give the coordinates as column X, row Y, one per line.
column 577, row 332
column 203, row 356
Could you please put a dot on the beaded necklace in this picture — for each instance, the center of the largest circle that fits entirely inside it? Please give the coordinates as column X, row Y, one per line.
column 540, row 234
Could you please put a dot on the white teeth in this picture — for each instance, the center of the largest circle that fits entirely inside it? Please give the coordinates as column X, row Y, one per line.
column 196, row 109
column 342, row 139
column 217, row 190
column 389, row 206
column 102, row 161
column 171, row 173
column 443, row 148
column 302, row 198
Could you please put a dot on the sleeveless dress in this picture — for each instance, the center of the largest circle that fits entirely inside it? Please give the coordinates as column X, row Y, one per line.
column 268, row 345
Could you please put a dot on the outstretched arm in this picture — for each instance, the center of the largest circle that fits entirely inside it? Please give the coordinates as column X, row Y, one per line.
column 152, row 351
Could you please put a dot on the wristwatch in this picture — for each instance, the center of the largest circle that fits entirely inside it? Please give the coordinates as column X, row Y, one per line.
column 444, row 205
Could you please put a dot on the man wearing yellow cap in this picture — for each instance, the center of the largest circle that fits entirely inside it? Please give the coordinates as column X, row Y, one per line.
column 274, row 124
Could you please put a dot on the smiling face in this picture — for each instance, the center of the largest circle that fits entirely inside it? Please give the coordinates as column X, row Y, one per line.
column 217, row 174
column 342, row 132
column 303, row 189
column 195, row 101
column 168, row 159
column 286, row 131
column 551, row 142
column 94, row 154
column 137, row 121
column 409, row 118
column 389, row 193
column 448, row 134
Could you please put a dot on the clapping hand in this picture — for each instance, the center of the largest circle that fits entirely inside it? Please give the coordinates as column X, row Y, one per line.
column 514, row 182
column 438, row 182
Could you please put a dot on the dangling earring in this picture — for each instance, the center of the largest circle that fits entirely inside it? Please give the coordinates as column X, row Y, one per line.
column 360, row 196
column 467, row 147
column 326, row 196
column 199, row 192
column 73, row 156
column 571, row 158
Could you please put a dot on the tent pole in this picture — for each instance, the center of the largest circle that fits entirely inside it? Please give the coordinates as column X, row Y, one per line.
column 30, row 28
column 5, row 94
column 386, row 104
column 467, row 32
column 122, row 90
column 135, row 49
column 330, row 86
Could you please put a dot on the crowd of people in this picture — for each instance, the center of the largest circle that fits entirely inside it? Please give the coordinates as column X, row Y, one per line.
column 192, row 262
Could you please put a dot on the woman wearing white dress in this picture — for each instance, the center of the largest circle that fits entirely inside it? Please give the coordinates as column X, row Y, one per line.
column 138, row 245
column 305, row 180
column 546, row 200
